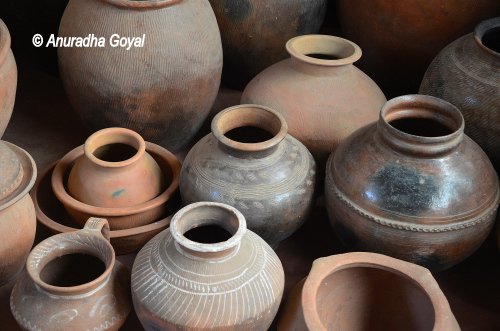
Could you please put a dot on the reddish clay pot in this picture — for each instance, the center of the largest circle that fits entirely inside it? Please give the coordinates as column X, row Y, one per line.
column 207, row 272
column 73, row 282
column 124, row 217
column 254, row 32
column 8, row 78
column 17, row 214
column 413, row 185
column 163, row 90
column 115, row 171
column 467, row 74
column 400, row 38
column 323, row 101
column 366, row 291
column 251, row 163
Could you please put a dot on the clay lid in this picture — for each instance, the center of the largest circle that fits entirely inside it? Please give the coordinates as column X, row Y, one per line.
column 18, row 173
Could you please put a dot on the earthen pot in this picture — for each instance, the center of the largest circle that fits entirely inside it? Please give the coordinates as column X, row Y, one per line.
column 50, row 213
column 413, row 185
column 73, row 282
column 400, row 38
column 121, row 217
column 207, row 272
column 17, row 214
column 163, row 90
column 467, row 74
column 366, row 291
column 321, row 94
column 251, row 163
column 115, row 171
column 8, row 78
column 254, row 33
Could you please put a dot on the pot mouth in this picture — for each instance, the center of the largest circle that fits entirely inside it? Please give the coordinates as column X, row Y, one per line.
column 249, row 128
column 323, row 50
column 487, row 36
column 207, row 217
column 142, row 4
column 4, row 41
column 114, row 147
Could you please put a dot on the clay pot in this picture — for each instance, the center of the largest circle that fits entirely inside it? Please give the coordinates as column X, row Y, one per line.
column 8, row 78
column 322, row 100
column 115, row 171
column 254, row 32
column 207, row 272
column 413, row 185
column 17, row 214
column 123, row 217
column 366, row 291
column 73, row 282
column 251, row 163
column 467, row 74
column 163, row 90
column 400, row 38
column 50, row 213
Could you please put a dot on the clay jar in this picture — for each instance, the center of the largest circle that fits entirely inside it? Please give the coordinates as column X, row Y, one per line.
column 400, row 38
column 254, row 32
column 319, row 91
column 207, row 272
column 8, row 78
column 164, row 87
column 467, row 74
column 17, row 213
column 366, row 291
column 73, row 282
column 413, row 185
column 115, row 171
column 251, row 163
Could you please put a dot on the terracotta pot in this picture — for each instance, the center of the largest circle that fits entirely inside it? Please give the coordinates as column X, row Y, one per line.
column 251, row 163
column 8, row 78
column 413, row 185
column 467, row 74
column 51, row 214
column 366, row 291
column 400, row 38
column 73, row 282
column 254, row 32
column 123, row 217
column 17, row 214
column 163, row 90
column 323, row 101
column 207, row 272
column 115, row 171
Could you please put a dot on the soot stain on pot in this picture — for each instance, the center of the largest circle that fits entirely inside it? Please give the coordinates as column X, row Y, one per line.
column 431, row 262
column 311, row 20
column 237, row 10
column 118, row 193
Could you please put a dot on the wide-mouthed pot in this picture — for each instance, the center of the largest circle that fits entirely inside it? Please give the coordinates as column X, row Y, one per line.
column 8, row 78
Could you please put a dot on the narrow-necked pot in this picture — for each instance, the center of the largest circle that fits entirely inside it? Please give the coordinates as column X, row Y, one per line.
column 8, row 78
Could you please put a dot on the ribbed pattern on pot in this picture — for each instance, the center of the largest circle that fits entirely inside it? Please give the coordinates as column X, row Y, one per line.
column 8, row 78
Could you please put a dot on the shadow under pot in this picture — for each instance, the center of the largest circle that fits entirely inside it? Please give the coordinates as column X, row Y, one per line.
column 8, row 78
column 207, row 272
column 251, row 163
column 413, row 186
column 73, row 282
column 367, row 291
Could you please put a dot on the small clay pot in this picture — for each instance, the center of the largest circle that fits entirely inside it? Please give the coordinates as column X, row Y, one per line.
column 124, row 217
column 366, row 291
column 115, row 171
column 17, row 214
column 413, row 186
column 207, row 272
column 8, row 78
column 73, row 282
column 322, row 95
column 251, row 163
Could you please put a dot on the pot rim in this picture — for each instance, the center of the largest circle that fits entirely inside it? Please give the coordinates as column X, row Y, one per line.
column 5, row 41
column 420, row 276
column 484, row 27
column 144, row 4
column 350, row 52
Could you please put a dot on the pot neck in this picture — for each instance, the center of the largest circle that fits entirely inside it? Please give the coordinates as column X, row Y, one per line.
column 142, row 4
column 253, row 116
column 203, row 214
column 421, row 125
column 487, row 37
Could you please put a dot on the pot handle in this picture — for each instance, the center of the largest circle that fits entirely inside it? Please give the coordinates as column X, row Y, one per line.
column 98, row 225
